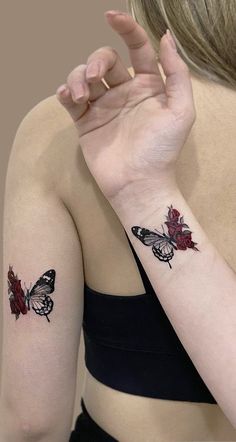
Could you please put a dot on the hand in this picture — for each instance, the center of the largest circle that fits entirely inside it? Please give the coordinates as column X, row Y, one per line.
column 134, row 130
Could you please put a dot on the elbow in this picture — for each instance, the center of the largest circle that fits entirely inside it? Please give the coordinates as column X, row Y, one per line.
column 26, row 431
column 24, row 427
column 35, row 432
column 31, row 433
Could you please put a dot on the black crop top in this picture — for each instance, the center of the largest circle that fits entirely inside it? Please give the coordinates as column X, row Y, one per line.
column 131, row 346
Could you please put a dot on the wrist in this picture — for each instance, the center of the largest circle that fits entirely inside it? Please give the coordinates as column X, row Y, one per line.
column 160, row 222
column 145, row 196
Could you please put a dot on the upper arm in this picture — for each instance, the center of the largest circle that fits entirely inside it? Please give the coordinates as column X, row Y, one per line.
column 39, row 358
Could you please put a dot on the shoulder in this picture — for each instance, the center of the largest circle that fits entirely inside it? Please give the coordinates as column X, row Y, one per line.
column 43, row 140
column 46, row 117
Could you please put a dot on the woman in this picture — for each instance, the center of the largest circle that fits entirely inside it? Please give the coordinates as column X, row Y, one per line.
column 141, row 383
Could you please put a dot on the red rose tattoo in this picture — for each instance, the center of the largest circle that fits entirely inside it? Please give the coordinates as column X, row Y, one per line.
column 16, row 294
column 37, row 298
column 163, row 244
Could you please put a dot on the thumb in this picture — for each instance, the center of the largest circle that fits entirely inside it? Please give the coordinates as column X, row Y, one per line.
column 178, row 82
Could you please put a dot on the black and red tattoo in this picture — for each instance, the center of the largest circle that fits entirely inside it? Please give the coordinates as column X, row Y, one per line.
column 163, row 245
column 37, row 297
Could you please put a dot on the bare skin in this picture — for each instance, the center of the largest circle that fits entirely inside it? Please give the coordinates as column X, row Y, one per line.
column 207, row 179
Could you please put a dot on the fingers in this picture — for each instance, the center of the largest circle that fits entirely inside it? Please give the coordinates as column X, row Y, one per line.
column 112, row 68
column 66, row 98
column 85, row 82
column 142, row 54
column 178, row 81
column 81, row 91
column 111, row 72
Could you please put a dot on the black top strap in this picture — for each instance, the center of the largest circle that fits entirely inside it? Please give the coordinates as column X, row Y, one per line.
column 146, row 282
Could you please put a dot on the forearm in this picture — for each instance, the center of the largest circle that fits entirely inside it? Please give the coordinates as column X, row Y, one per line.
column 197, row 290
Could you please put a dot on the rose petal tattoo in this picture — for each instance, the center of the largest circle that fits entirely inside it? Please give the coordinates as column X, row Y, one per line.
column 163, row 244
column 38, row 297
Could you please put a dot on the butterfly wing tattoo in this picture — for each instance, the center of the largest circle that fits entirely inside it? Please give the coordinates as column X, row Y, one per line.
column 38, row 297
column 162, row 246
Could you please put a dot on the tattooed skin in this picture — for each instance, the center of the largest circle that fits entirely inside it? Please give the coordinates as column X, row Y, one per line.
column 38, row 297
column 163, row 244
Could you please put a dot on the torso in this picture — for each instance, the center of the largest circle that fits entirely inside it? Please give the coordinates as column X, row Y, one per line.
column 207, row 179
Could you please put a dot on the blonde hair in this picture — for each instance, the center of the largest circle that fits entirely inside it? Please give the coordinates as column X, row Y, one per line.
column 204, row 32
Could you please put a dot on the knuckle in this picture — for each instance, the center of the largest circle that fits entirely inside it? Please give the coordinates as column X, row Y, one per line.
column 138, row 44
column 109, row 50
column 103, row 51
column 75, row 73
column 186, row 114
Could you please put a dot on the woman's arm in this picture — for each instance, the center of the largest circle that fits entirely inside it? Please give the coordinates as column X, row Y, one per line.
column 131, row 135
column 40, row 351
column 198, row 291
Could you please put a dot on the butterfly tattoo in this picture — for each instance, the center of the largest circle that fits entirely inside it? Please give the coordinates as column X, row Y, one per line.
column 163, row 244
column 36, row 298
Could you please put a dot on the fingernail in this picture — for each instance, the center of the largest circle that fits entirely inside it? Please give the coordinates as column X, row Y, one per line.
column 79, row 93
column 114, row 12
column 171, row 39
column 61, row 89
column 93, row 70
